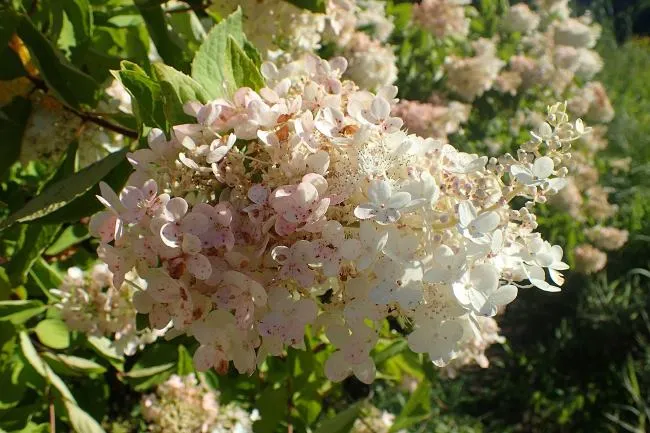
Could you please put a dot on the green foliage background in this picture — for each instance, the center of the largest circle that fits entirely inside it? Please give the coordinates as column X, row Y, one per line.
column 577, row 362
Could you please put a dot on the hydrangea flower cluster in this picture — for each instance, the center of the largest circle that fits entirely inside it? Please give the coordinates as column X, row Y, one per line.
column 443, row 18
column 306, row 204
column 186, row 404
column 357, row 30
column 434, row 119
column 90, row 303
column 51, row 128
column 374, row 420
column 552, row 58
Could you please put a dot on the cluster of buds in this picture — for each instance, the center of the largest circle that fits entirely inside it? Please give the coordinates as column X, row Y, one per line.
column 306, row 204
column 91, row 304
column 186, row 404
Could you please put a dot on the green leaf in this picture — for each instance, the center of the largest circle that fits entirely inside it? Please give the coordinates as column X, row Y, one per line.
column 342, row 422
column 244, row 71
column 61, row 193
column 253, row 54
column 46, row 276
column 9, row 20
column 170, row 47
column 41, row 367
column 72, row 365
column 149, row 371
column 36, row 239
column 70, row 84
column 18, row 312
column 69, row 237
column 211, row 65
column 393, row 349
column 185, row 364
column 417, row 408
column 13, row 120
column 80, row 420
column 104, row 347
column 5, row 285
column 53, row 333
column 312, row 5
column 80, row 14
column 146, row 95
column 177, row 89
column 273, row 407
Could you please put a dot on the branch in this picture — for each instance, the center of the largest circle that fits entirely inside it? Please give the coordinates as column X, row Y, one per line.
column 85, row 116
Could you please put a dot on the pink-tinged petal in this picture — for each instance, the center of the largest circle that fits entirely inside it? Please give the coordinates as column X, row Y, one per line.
column 191, row 244
column 304, row 276
column 223, row 215
column 159, row 316
column 351, row 249
column 170, row 234
column 319, row 211
column 336, row 367
column 318, row 181
column 102, row 225
column 204, row 358
column 131, row 197
column 192, row 108
column 150, row 189
column 199, row 266
column 258, row 194
column 176, row 208
column 365, row 211
column 195, row 223
column 109, row 198
column 284, row 227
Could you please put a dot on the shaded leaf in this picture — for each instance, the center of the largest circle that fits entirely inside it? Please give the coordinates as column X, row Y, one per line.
column 80, row 420
column 13, row 120
column 60, row 193
column 70, row 84
column 312, row 5
column 18, row 312
column 53, row 333
column 342, row 422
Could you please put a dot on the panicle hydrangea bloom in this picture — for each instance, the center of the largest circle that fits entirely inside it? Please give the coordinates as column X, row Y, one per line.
column 187, row 405
column 90, row 303
column 592, row 102
column 521, row 19
column 470, row 77
column 243, row 220
column 432, row 120
column 374, row 420
column 442, row 17
column 371, row 63
column 589, row 259
column 607, row 238
column 51, row 128
column 276, row 27
column 357, row 30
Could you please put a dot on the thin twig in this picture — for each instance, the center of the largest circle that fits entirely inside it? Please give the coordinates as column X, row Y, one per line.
column 52, row 417
column 85, row 116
